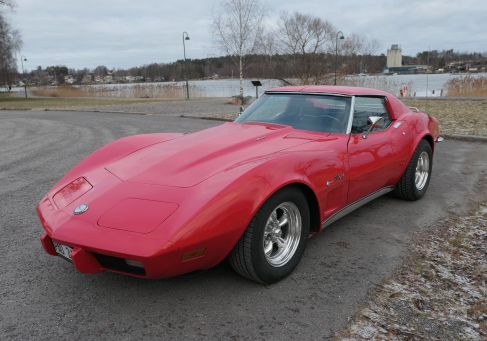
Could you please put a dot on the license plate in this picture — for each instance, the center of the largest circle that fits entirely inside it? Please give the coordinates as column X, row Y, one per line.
column 62, row 250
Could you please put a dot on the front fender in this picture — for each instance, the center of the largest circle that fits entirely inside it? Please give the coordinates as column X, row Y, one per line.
column 227, row 204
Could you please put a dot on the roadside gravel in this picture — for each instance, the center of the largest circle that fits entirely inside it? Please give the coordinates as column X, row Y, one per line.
column 440, row 291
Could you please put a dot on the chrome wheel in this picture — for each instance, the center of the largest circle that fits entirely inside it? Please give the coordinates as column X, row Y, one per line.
column 282, row 234
column 422, row 170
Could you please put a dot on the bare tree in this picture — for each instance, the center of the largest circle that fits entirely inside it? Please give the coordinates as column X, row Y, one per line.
column 236, row 26
column 357, row 49
column 306, row 37
column 267, row 46
column 10, row 42
column 8, row 3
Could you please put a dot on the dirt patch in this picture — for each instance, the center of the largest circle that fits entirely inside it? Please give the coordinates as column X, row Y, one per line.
column 440, row 291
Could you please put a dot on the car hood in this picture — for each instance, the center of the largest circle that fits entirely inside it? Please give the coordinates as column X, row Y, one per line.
column 193, row 158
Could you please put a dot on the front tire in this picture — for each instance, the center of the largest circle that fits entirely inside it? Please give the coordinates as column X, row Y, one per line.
column 275, row 239
column 416, row 178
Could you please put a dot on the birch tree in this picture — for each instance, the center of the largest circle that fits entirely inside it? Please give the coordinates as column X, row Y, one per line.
column 236, row 25
column 10, row 42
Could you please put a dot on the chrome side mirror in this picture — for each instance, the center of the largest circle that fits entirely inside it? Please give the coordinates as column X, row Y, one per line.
column 372, row 121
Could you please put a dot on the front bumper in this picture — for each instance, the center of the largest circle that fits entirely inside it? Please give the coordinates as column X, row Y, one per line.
column 89, row 261
column 96, row 249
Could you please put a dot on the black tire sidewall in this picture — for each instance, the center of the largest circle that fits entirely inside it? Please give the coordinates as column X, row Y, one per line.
column 424, row 146
column 266, row 272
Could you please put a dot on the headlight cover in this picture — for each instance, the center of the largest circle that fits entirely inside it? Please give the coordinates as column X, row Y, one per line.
column 71, row 192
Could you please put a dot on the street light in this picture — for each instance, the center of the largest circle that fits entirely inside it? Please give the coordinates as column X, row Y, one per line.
column 22, row 60
column 185, row 37
column 341, row 37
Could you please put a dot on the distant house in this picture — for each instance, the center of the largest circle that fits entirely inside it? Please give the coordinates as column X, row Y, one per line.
column 68, row 79
column 87, row 79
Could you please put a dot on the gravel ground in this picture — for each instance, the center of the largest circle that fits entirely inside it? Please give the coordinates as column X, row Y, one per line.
column 439, row 293
column 44, row 298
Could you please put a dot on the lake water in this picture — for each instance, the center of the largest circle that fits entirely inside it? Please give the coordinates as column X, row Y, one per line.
column 413, row 85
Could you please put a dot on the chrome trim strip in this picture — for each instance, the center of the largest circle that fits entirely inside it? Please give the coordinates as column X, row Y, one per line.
column 350, row 119
column 353, row 206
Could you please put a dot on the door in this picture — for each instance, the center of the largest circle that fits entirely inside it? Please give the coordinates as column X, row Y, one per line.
column 370, row 156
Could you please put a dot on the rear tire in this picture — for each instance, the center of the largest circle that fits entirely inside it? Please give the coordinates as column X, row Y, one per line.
column 275, row 239
column 415, row 180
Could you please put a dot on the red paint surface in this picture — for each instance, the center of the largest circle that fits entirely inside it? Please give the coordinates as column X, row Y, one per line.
column 157, row 197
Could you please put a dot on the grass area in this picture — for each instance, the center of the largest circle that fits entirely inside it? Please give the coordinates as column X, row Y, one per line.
column 461, row 117
column 20, row 103
column 439, row 293
column 148, row 90
column 464, row 117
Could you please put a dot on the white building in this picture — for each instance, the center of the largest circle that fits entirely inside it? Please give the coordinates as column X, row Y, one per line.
column 394, row 56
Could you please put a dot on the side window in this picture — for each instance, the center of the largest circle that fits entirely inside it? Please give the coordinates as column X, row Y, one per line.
column 366, row 107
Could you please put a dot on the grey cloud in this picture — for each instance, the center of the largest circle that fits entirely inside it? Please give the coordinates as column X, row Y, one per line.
column 123, row 33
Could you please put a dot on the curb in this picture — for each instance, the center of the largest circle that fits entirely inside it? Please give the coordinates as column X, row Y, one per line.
column 468, row 138
column 100, row 111
column 79, row 110
column 209, row 118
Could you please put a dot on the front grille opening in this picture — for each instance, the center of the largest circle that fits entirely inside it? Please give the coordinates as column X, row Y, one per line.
column 118, row 264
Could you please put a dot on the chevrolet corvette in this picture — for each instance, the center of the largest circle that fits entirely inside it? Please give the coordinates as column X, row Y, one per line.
column 251, row 191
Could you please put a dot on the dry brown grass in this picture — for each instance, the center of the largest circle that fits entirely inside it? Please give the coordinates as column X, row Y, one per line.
column 463, row 117
column 59, row 91
column 390, row 85
column 467, row 86
column 151, row 90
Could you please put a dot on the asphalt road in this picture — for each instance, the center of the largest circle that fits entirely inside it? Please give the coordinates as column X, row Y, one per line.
column 43, row 297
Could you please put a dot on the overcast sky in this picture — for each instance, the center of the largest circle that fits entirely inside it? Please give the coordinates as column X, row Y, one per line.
column 124, row 33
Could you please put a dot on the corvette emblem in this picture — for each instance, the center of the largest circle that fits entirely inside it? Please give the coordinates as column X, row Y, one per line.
column 81, row 209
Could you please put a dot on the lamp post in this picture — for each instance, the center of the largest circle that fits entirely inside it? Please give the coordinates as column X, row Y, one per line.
column 185, row 37
column 22, row 60
column 338, row 36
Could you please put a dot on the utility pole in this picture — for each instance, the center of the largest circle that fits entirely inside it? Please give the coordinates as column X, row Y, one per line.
column 338, row 36
column 22, row 59
column 185, row 37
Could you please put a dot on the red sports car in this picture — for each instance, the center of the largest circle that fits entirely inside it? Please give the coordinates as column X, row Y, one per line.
column 252, row 191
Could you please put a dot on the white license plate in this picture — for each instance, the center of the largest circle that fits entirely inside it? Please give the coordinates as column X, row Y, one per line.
column 62, row 250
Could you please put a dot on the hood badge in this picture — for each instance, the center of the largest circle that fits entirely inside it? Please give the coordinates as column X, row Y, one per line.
column 81, row 209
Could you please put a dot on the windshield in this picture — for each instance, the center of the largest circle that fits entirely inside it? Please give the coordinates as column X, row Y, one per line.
column 321, row 113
